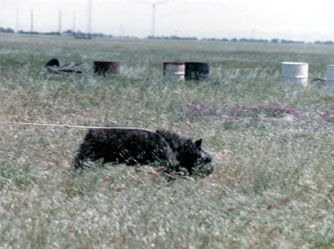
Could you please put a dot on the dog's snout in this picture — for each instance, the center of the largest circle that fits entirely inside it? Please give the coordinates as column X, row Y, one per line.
column 208, row 159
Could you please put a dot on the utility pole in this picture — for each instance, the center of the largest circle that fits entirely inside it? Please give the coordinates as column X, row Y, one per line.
column 153, row 15
column 74, row 22
column 89, row 23
column 154, row 4
column 59, row 21
column 32, row 20
column 153, row 20
column 17, row 20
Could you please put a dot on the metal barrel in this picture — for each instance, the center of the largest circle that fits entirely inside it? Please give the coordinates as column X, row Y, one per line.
column 107, row 67
column 197, row 70
column 174, row 70
column 294, row 73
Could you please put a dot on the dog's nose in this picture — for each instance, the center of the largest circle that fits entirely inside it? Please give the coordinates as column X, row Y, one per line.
column 208, row 159
column 208, row 170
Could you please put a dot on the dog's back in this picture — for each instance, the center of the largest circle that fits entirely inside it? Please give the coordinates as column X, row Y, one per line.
column 140, row 146
column 124, row 145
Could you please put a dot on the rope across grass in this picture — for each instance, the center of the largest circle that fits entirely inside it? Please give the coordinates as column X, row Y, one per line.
column 74, row 126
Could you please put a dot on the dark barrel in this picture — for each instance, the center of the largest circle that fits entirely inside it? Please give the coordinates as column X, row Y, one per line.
column 107, row 67
column 196, row 70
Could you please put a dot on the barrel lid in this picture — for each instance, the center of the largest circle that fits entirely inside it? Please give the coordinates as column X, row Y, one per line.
column 294, row 63
column 106, row 62
column 294, row 77
column 174, row 62
column 196, row 62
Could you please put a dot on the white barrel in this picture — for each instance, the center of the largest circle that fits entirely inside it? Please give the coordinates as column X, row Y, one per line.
column 330, row 77
column 294, row 73
column 174, row 70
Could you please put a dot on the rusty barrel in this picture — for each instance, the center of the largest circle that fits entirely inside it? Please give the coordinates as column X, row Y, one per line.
column 107, row 67
column 197, row 70
column 174, row 70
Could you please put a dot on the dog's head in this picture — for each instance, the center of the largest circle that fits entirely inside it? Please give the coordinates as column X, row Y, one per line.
column 189, row 154
column 196, row 160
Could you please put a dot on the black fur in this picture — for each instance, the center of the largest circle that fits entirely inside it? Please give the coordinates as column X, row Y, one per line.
column 139, row 146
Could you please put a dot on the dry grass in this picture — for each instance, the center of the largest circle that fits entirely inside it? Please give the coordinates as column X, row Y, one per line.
column 272, row 143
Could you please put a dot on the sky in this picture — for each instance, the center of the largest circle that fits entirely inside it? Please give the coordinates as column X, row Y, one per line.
column 306, row 20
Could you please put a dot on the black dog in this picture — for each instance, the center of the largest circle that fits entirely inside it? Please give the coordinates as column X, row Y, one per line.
column 139, row 146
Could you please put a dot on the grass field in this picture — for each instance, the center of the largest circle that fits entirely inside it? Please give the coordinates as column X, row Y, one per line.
column 273, row 146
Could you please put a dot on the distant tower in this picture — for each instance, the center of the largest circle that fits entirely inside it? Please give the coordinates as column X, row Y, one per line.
column 60, row 21
column 32, row 20
column 74, row 22
column 153, row 20
column 17, row 20
column 154, row 4
column 89, row 22
column 153, row 15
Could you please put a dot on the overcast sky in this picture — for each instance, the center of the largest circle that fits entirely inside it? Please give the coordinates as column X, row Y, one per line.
column 289, row 19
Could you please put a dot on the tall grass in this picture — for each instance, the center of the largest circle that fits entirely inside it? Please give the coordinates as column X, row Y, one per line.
column 272, row 144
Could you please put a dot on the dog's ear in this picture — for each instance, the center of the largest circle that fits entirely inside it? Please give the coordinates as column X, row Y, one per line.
column 198, row 143
column 160, row 132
